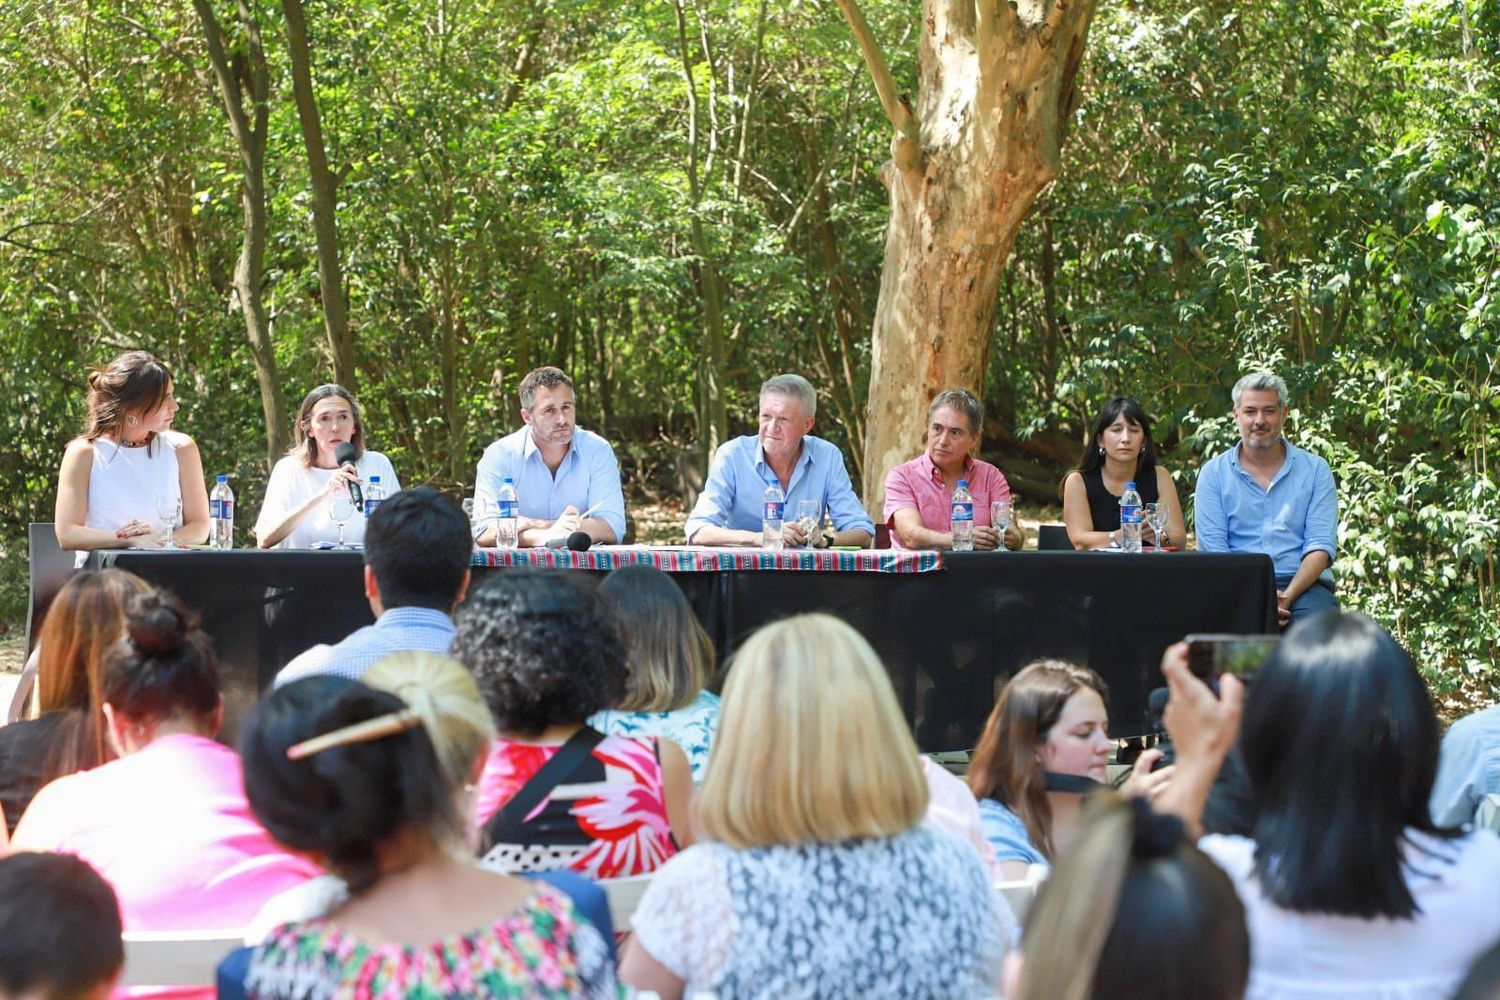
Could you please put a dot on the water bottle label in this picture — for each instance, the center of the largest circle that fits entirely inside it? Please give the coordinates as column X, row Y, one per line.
column 1130, row 514
column 218, row 509
column 508, row 509
column 775, row 511
column 963, row 512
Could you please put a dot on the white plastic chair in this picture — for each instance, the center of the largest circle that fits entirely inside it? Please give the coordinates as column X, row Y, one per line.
column 624, row 896
column 176, row 958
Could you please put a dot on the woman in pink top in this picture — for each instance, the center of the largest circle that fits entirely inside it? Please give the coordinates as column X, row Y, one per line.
column 167, row 823
column 918, row 494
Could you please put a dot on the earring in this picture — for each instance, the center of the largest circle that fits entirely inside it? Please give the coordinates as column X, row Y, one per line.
column 1101, row 449
column 132, row 420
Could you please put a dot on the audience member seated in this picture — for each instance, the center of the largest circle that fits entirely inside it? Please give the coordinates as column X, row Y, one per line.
column 818, row 878
column 547, row 656
column 348, row 774
column 84, row 622
column 670, row 659
column 295, row 514
column 1132, row 910
column 1119, row 451
column 1045, row 745
column 728, row 511
column 127, row 459
column 1468, row 768
column 417, row 550
column 59, row 930
column 919, row 493
column 167, row 824
column 1351, row 889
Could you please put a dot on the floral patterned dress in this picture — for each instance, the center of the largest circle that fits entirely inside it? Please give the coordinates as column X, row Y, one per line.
column 542, row 950
column 607, row 820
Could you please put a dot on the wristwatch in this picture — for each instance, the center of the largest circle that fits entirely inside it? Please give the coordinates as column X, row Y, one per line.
column 827, row 539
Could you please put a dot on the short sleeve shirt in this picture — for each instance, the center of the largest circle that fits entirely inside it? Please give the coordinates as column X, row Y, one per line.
column 919, row 484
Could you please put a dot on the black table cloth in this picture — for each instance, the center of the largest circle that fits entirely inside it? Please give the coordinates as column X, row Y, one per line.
column 949, row 638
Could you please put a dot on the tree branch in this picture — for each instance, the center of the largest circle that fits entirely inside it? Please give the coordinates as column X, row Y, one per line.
column 906, row 147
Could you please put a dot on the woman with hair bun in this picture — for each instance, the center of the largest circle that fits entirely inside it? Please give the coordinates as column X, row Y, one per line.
column 1133, row 910
column 112, row 476
column 167, row 824
column 82, row 626
column 348, row 773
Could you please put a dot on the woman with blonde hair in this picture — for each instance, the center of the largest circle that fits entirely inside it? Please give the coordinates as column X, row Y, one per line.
column 83, row 624
column 670, row 658
column 1133, row 910
column 816, row 851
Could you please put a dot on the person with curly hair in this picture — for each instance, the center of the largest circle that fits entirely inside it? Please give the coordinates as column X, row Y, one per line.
column 547, row 655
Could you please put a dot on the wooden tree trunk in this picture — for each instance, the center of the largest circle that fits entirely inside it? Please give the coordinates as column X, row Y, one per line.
column 324, row 200
column 998, row 83
column 248, row 125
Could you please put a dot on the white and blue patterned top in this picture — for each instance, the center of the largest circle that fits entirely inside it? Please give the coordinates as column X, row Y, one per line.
column 399, row 630
column 691, row 728
column 910, row 917
column 1007, row 834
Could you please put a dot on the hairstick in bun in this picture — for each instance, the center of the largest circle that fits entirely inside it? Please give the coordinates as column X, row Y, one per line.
column 360, row 732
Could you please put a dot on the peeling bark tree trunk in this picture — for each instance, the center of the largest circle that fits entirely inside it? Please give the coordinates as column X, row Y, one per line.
column 998, row 83
column 248, row 126
column 324, row 200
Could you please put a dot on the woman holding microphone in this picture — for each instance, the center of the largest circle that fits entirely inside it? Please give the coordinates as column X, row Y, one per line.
column 327, row 459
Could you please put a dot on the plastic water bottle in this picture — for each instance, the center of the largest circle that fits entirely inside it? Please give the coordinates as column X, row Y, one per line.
column 961, row 520
column 507, row 523
column 374, row 494
column 772, row 517
column 221, row 513
column 1130, row 519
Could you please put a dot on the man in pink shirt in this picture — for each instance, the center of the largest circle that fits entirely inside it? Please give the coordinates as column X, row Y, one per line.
column 918, row 494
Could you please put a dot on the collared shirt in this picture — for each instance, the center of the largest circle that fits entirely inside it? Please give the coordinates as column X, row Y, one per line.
column 739, row 475
column 918, row 484
column 588, row 475
column 1468, row 768
column 1298, row 514
column 399, row 630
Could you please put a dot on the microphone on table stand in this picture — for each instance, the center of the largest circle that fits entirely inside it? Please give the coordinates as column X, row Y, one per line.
column 578, row 541
column 344, row 455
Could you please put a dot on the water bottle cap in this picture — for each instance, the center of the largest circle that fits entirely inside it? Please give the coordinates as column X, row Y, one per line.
column 964, row 483
column 222, row 477
column 1130, row 485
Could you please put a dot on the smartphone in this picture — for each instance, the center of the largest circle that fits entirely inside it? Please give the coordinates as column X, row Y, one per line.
column 1241, row 655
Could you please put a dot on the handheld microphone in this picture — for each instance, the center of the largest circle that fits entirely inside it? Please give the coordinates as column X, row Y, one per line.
column 344, row 455
column 578, row 541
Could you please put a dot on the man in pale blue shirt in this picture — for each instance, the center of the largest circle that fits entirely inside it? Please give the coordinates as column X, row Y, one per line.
column 417, row 550
column 728, row 511
column 1468, row 768
column 1266, row 495
column 566, row 478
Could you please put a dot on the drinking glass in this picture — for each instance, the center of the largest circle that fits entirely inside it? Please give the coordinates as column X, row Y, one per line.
column 1001, row 516
column 1157, row 515
column 340, row 510
column 168, row 509
column 809, row 513
column 475, row 508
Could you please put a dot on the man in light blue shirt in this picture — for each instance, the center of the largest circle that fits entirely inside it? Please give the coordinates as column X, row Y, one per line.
column 1468, row 768
column 417, row 549
column 566, row 478
column 1266, row 495
column 728, row 511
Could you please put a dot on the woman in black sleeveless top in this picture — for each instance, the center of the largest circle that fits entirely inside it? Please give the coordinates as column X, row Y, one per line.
column 1120, row 450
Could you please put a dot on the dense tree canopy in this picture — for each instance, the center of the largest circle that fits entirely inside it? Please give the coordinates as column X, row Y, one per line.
column 673, row 200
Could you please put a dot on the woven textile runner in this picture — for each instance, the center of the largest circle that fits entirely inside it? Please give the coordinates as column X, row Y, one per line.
column 699, row 559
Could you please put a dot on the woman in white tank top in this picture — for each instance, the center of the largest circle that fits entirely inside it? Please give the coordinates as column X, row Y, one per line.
column 112, row 476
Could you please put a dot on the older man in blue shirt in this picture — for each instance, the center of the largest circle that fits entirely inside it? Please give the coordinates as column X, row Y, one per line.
column 728, row 511
column 566, row 478
column 1267, row 495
